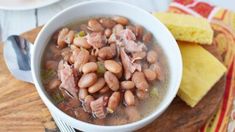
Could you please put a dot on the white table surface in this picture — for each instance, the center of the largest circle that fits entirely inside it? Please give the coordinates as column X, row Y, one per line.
column 16, row 22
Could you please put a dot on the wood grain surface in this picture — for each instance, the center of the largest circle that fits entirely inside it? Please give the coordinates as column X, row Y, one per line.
column 21, row 109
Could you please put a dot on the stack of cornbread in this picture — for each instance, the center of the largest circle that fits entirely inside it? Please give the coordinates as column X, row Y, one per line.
column 201, row 70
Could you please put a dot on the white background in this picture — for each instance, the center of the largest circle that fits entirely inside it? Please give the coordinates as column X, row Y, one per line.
column 16, row 22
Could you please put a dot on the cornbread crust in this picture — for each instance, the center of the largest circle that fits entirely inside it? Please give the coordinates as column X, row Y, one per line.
column 201, row 70
column 187, row 28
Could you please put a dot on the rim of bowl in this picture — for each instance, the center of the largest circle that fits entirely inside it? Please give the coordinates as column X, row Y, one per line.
column 151, row 116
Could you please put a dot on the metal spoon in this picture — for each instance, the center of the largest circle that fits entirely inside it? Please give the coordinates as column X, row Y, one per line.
column 17, row 53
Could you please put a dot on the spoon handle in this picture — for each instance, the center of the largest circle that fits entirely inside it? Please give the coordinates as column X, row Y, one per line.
column 17, row 53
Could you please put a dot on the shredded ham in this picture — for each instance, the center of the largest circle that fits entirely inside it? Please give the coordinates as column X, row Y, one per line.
column 98, row 107
column 138, row 56
column 126, row 38
column 126, row 35
column 129, row 67
column 96, row 40
column 132, row 46
column 67, row 79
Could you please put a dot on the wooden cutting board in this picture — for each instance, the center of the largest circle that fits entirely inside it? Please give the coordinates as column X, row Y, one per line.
column 21, row 108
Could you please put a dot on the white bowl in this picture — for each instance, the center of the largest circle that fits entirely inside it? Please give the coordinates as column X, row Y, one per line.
column 110, row 8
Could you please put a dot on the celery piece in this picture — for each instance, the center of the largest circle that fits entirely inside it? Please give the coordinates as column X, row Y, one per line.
column 47, row 74
column 101, row 69
column 154, row 92
column 82, row 33
column 57, row 97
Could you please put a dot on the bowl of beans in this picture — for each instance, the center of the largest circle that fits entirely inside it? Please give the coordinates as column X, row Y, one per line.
column 106, row 66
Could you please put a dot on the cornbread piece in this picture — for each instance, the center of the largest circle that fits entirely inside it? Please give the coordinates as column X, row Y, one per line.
column 187, row 28
column 201, row 71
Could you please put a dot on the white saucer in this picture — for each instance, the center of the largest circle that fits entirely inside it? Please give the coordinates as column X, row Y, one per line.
column 24, row 4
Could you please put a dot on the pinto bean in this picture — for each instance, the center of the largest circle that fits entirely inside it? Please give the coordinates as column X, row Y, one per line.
column 106, row 53
column 105, row 89
column 82, row 93
column 127, row 85
column 147, row 38
column 121, row 20
column 107, row 32
column 87, row 80
column 140, row 82
column 61, row 37
column 142, row 94
column 71, row 59
column 81, row 42
column 155, row 67
column 139, row 31
column 95, row 26
column 69, row 37
column 117, row 28
column 73, row 47
column 112, row 66
column 92, row 58
column 150, row 74
column 151, row 56
column 114, row 101
column 145, row 65
column 89, row 67
column 107, row 23
column 114, row 48
column 86, row 104
column 97, row 86
column 129, row 98
column 80, row 58
column 111, row 81
column 55, row 83
column 119, row 75
column 51, row 64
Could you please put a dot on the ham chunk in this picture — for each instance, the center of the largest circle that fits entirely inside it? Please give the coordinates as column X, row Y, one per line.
column 96, row 40
column 129, row 67
column 67, row 79
column 98, row 107
column 126, row 35
column 128, row 38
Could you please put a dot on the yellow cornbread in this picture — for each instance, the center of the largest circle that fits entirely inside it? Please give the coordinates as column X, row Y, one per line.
column 201, row 71
column 187, row 28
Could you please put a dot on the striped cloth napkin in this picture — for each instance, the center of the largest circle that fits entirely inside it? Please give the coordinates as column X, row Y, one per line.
column 223, row 24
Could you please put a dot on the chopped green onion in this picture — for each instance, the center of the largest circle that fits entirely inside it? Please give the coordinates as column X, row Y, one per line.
column 154, row 92
column 82, row 33
column 101, row 69
column 57, row 97
column 47, row 75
